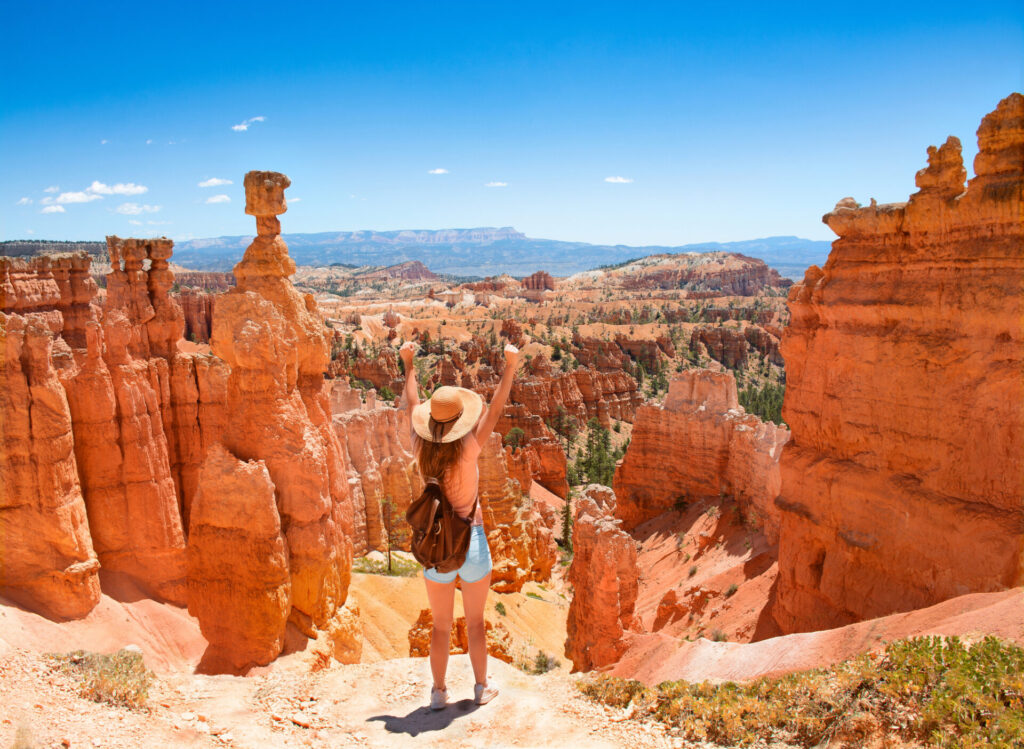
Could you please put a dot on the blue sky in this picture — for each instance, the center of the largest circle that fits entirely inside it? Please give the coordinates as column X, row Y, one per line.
column 725, row 121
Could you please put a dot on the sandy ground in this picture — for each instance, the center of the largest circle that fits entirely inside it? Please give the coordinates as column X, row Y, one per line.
column 382, row 704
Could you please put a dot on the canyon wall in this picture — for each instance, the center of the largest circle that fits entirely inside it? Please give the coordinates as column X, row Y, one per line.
column 522, row 546
column 699, row 444
column 377, row 444
column 48, row 562
column 903, row 481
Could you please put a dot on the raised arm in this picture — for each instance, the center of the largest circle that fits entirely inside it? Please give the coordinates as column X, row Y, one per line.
column 497, row 404
column 412, row 396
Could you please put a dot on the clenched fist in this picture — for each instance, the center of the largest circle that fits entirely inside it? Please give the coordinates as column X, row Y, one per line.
column 407, row 352
column 511, row 356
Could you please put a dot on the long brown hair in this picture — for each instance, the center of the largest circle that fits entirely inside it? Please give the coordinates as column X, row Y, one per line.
column 435, row 458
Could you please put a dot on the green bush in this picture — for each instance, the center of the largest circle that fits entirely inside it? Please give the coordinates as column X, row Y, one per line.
column 500, row 608
column 765, row 402
column 514, row 438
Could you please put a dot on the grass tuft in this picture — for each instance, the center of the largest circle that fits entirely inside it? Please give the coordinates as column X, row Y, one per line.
column 933, row 691
column 400, row 567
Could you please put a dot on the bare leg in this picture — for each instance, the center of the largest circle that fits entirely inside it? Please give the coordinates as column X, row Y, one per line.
column 442, row 599
column 474, row 599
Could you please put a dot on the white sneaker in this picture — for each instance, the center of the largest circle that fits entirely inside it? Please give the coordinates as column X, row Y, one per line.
column 438, row 698
column 482, row 693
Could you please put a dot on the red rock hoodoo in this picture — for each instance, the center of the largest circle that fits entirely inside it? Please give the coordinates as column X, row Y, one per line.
column 278, row 412
column 605, row 577
column 903, row 482
column 700, row 444
column 48, row 563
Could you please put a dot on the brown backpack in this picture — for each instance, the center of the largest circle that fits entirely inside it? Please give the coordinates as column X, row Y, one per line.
column 440, row 538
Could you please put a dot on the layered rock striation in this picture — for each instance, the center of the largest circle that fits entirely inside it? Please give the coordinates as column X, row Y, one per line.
column 522, row 546
column 700, row 444
column 47, row 559
column 903, row 482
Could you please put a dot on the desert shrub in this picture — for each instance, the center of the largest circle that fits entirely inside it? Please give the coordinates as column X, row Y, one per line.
column 931, row 691
column 542, row 663
column 386, row 393
column 731, row 590
column 500, row 608
column 718, row 635
column 119, row 678
column 693, row 571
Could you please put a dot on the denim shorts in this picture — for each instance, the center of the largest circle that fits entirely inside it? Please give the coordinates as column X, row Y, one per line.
column 476, row 566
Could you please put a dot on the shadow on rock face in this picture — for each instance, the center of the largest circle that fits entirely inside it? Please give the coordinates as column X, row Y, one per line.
column 423, row 719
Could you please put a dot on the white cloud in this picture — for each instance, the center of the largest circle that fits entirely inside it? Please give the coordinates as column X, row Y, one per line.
column 134, row 209
column 30, row 231
column 158, row 223
column 619, row 180
column 53, row 209
column 52, row 188
column 242, row 126
column 294, row 200
column 24, row 201
column 149, row 141
column 215, row 182
column 121, row 188
column 439, row 170
column 218, row 199
column 104, row 142
column 496, row 184
column 133, row 222
column 76, row 197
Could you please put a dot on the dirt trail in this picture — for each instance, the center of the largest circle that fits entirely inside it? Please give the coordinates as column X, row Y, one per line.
column 372, row 705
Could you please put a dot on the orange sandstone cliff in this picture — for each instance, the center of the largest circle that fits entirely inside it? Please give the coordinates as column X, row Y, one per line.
column 47, row 562
column 902, row 485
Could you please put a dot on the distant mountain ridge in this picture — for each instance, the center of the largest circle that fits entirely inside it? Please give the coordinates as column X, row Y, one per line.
column 480, row 251
column 487, row 251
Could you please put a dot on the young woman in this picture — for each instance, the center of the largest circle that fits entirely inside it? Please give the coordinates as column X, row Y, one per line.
column 448, row 430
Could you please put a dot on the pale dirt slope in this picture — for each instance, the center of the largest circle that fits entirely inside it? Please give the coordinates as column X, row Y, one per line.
column 371, row 705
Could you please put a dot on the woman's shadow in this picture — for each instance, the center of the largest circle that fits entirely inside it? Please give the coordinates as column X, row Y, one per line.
column 423, row 719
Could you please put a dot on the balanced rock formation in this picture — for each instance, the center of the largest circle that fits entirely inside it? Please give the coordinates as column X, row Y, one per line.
column 238, row 575
column 700, row 443
column 278, row 411
column 903, row 483
column 604, row 577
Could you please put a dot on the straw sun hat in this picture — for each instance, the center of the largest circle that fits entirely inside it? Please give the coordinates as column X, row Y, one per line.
column 448, row 414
